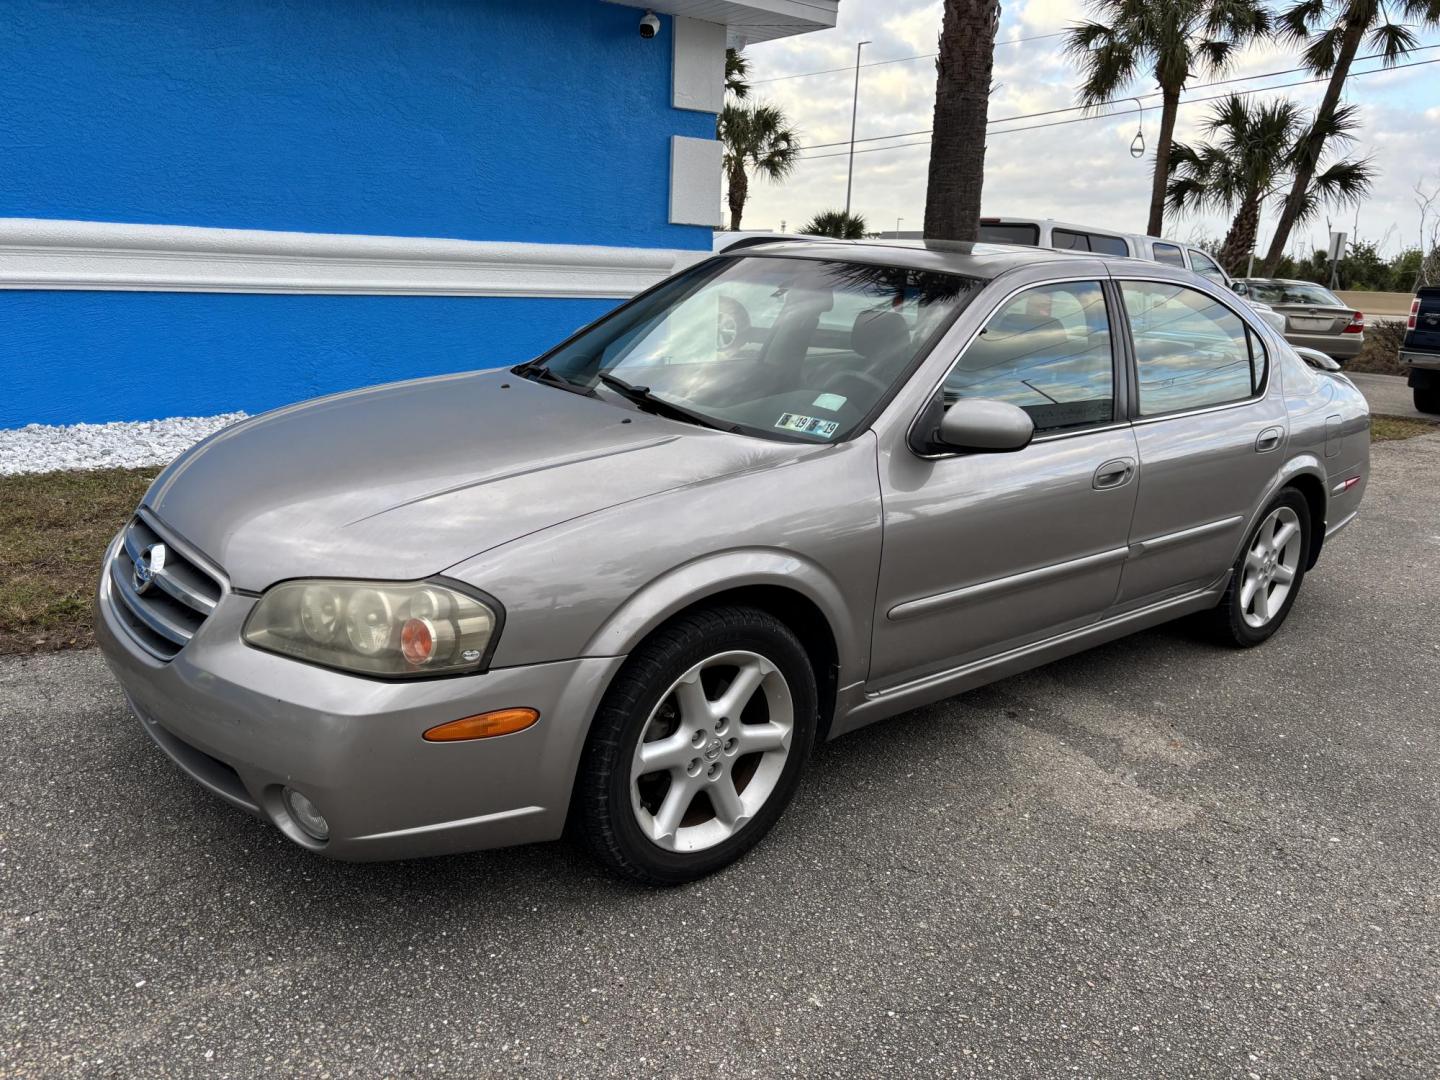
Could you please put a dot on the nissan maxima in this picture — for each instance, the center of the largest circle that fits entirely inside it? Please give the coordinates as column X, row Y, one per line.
column 621, row 590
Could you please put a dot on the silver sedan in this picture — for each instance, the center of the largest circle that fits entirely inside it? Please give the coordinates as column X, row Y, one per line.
column 621, row 590
column 1315, row 318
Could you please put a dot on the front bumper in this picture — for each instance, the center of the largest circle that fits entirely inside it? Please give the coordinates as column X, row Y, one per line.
column 246, row 723
column 1338, row 346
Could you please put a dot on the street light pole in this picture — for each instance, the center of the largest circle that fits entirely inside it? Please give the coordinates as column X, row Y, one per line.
column 898, row 220
column 854, row 110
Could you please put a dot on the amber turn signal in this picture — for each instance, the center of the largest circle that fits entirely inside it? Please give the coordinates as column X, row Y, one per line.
column 483, row 725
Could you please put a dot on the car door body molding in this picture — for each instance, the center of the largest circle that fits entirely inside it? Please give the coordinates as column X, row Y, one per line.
column 926, row 605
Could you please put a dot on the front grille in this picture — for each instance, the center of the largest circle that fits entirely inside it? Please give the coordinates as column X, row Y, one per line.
column 163, row 608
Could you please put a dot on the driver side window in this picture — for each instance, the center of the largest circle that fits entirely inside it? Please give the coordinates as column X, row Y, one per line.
column 1047, row 350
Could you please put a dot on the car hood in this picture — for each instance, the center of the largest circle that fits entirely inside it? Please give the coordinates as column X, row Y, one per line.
column 404, row 480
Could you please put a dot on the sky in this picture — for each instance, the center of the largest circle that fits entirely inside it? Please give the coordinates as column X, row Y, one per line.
column 1079, row 172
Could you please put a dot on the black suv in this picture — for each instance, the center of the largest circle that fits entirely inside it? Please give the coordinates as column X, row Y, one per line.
column 1421, row 348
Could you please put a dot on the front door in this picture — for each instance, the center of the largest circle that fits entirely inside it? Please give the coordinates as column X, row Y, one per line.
column 984, row 552
column 1210, row 431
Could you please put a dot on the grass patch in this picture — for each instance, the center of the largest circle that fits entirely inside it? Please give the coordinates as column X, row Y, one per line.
column 53, row 535
column 1390, row 428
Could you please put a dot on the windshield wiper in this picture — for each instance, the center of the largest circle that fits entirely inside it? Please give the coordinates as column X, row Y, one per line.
column 539, row 373
column 641, row 397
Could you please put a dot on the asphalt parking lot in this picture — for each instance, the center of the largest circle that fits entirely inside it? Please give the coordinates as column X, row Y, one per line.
column 1157, row 859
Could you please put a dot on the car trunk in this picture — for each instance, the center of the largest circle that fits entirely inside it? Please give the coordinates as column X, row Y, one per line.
column 1314, row 319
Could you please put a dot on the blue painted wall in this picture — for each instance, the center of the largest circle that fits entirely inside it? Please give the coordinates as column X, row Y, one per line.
column 540, row 120
column 72, row 356
column 531, row 120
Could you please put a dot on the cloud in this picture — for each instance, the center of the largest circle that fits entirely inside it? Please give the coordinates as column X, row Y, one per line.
column 1073, row 171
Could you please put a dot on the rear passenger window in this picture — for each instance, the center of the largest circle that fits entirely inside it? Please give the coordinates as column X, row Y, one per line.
column 1190, row 351
column 1003, row 232
column 1205, row 266
column 1069, row 241
column 1169, row 254
column 1108, row 245
column 1048, row 351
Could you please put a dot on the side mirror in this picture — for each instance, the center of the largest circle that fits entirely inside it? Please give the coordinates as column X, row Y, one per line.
column 1315, row 358
column 978, row 425
column 1241, row 289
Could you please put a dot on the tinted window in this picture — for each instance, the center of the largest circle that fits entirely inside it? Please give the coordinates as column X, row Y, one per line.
column 1046, row 350
column 1169, row 254
column 1009, row 233
column 1190, row 350
column 1108, row 245
column 1069, row 241
column 1205, row 266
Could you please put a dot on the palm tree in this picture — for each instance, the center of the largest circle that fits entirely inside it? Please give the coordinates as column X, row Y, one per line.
column 1252, row 161
column 836, row 223
column 1332, row 32
column 962, row 103
column 737, row 71
column 756, row 138
column 1172, row 40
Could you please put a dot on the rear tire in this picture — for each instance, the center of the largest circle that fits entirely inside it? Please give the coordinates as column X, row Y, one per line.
column 1427, row 400
column 1267, row 575
column 697, row 746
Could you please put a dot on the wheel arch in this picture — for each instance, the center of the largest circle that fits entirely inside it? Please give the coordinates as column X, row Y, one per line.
column 796, row 591
column 1305, row 473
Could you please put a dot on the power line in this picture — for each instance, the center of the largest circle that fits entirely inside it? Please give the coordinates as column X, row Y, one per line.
column 897, row 60
column 1084, row 119
column 1132, row 97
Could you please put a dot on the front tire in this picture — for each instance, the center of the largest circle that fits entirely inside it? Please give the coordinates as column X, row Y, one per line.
column 1267, row 575
column 697, row 747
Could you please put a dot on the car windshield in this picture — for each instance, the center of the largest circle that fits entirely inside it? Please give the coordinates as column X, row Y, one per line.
column 787, row 348
column 1292, row 292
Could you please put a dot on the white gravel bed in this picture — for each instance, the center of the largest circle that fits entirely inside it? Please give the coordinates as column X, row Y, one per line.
column 119, row 445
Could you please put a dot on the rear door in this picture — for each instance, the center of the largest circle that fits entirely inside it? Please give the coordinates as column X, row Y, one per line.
column 1210, row 432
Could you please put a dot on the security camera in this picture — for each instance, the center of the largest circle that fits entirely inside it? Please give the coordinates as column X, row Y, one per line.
column 649, row 25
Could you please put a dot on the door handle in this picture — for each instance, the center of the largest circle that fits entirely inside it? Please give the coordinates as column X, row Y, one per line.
column 1268, row 439
column 1114, row 474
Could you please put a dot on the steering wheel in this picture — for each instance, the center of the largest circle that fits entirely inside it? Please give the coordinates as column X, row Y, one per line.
column 869, row 382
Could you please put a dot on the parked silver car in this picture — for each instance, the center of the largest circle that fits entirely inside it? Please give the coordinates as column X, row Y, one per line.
column 625, row 587
column 1314, row 316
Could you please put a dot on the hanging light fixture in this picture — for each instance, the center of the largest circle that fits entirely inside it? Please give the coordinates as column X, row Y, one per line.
column 1137, row 144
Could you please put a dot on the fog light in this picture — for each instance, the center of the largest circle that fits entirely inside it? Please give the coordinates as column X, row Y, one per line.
column 306, row 814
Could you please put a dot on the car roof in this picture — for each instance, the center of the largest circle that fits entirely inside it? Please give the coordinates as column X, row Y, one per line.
column 978, row 260
column 1283, row 281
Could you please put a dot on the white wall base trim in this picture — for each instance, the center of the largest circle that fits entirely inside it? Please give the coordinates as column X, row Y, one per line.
column 40, row 253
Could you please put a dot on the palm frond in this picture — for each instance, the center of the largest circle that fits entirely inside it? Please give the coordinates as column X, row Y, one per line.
column 737, row 74
column 1393, row 41
column 1340, row 126
column 1216, row 54
column 1345, row 183
column 1424, row 12
column 1296, row 23
column 1322, row 51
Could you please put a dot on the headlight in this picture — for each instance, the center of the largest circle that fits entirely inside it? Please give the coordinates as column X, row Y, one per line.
column 375, row 628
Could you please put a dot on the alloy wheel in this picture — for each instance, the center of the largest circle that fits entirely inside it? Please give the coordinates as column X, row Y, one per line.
column 1271, row 566
column 712, row 751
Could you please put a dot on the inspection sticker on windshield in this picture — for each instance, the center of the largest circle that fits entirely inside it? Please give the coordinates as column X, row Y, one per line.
column 807, row 425
column 829, row 401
